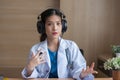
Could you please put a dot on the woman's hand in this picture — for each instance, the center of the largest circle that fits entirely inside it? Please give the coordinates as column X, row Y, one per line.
column 88, row 70
column 35, row 60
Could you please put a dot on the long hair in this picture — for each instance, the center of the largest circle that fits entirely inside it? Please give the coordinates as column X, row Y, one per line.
column 44, row 16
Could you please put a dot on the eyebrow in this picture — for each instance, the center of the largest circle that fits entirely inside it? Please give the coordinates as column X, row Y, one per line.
column 52, row 21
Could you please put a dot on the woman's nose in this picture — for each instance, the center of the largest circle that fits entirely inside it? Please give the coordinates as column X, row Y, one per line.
column 54, row 26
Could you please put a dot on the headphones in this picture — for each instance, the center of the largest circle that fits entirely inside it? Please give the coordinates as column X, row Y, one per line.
column 41, row 23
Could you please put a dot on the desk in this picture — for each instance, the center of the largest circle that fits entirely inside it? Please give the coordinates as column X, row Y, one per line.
column 55, row 79
column 103, row 79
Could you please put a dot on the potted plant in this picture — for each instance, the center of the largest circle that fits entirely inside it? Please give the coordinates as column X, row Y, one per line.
column 114, row 65
column 116, row 50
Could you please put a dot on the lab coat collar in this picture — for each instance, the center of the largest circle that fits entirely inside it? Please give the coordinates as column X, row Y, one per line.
column 62, row 45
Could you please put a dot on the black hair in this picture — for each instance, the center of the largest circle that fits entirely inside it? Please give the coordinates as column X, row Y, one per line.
column 42, row 20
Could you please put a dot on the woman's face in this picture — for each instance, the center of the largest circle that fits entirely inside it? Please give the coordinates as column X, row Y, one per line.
column 53, row 27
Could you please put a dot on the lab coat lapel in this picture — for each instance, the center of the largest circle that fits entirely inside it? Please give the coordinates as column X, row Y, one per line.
column 62, row 60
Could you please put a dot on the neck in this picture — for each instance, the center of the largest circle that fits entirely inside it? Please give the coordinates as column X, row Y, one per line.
column 53, row 44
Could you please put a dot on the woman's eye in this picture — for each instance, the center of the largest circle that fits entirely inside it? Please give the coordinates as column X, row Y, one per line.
column 49, row 24
column 58, row 23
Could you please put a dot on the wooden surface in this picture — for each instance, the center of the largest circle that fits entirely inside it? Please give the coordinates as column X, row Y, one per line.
column 103, row 79
column 56, row 79
column 18, row 31
column 96, row 22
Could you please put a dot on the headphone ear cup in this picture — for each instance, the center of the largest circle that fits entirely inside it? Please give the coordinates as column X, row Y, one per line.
column 40, row 27
column 64, row 25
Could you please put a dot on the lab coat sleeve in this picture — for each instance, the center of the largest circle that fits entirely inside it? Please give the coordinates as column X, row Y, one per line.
column 78, row 60
column 33, row 75
column 89, row 77
column 79, row 64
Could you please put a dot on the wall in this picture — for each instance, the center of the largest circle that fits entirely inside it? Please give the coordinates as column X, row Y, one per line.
column 18, row 32
column 93, row 24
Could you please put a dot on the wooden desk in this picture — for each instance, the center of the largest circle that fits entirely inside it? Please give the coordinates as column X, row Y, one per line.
column 55, row 79
column 103, row 79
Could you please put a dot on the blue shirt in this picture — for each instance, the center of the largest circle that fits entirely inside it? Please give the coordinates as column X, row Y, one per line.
column 53, row 60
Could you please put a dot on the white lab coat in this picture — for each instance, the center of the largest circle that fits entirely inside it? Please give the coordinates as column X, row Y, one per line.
column 67, row 67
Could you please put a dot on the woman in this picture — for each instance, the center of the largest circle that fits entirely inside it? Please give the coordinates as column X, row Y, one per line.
column 55, row 57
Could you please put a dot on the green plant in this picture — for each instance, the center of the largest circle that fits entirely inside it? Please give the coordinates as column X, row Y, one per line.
column 116, row 48
column 112, row 64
